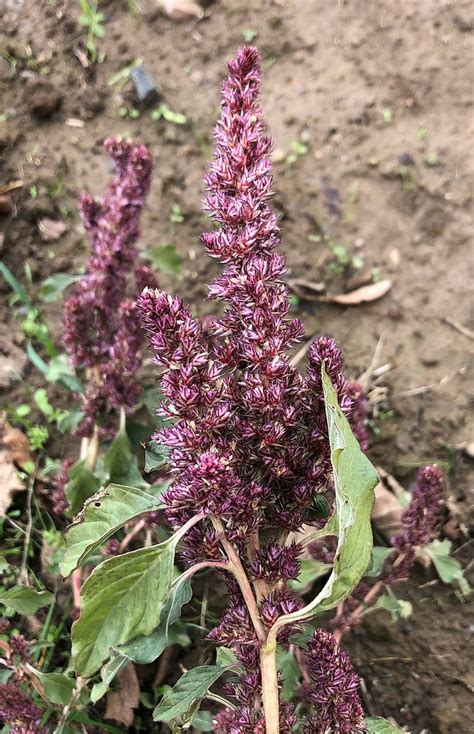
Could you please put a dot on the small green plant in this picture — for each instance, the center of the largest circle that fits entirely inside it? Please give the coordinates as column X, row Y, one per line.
column 343, row 260
column 165, row 113
column 93, row 20
column 176, row 214
column 387, row 115
column 298, row 149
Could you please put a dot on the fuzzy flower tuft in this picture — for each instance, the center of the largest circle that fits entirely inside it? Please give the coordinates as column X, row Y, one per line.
column 249, row 442
column 101, row 330
column 333, row 690
column 18, row 710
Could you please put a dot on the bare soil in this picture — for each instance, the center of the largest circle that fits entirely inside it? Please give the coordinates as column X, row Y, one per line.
column 380, row 92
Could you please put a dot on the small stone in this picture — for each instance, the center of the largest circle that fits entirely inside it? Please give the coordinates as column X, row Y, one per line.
column 145, row 88
column 429, row 359
column 373, row 162
column 278, row 155
column 42, row 99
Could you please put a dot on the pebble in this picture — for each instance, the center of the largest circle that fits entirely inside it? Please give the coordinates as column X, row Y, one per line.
column 145, row 88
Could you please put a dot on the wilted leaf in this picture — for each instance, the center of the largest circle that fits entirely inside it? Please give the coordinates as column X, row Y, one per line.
column 25, row 599
column 51, row 229
column 191, row 688
column 103, row 514
column 121, row 704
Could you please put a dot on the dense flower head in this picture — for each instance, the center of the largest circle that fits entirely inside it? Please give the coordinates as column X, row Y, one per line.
column 333, row 689
column 18, row 710
column 247, row 435
column 101, row 330
column 419, row 521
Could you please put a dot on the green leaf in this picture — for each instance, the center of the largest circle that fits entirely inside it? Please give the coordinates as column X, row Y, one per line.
column 379, row 555
column 225, row 656
column 123, row 597
column 309, row 572
column 377, row 725
column 189, row 690
column 117, row 663
column 82, row 484
column 397, row 608
column 121, row 464
column 203, row 721
column 15, row 285
column 103, row 514
column 25, row 599
column 165, row 258
column 69, row 420
column 145, row 649
column 58, row 688
column 291, row 673
column 448, row 568
column 156, row 456
column 54, row 286
column 354, row 481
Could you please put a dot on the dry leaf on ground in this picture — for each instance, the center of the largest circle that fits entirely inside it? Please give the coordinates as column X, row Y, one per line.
column 121, row 703
column 181, row 9
column 362, row 295
column 14, row 452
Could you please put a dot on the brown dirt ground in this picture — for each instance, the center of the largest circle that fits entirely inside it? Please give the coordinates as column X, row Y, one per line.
column 331, row 69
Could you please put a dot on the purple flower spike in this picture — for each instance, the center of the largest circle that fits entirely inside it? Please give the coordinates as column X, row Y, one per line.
column 333, row 691
column 249, row 443
column 101, row 329
column 18, row 710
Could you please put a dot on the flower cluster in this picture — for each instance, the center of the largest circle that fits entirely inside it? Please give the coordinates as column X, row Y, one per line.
column 419, row 525
column 18, row 710
column 248, row 443
column 333, row 691
column 419, row 521
column 101, row 330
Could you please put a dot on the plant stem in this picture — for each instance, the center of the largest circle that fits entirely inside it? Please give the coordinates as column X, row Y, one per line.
column 269, row 673
column 241, row 577
column 23, row 575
